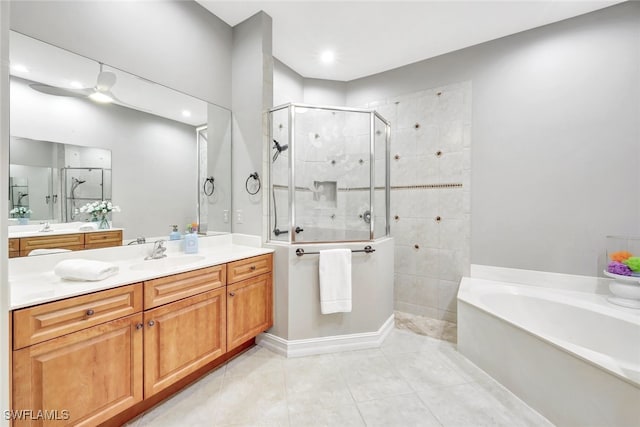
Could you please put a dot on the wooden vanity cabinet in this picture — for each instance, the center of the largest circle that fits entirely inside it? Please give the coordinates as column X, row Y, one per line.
column 14, row 248
column 74, row 241
column 110, row 355
column 249, row 299
column 181, row 337
column 88, row 376
column 103, row 239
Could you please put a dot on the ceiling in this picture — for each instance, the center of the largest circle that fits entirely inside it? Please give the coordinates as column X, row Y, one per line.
column 369, row 37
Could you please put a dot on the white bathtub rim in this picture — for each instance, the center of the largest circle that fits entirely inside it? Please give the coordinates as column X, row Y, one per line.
column 608, row 364
column 593, row 302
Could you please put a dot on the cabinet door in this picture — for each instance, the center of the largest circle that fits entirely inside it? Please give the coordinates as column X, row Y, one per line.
column 89, row 375
column 181, row 337
column 73, row 242
column 249, row 309
column 102, row 239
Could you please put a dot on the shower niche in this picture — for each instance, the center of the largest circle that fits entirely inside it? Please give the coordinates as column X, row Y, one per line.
column 329, row 174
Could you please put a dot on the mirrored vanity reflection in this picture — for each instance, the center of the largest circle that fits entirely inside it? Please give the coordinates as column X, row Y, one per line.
column 82, row 131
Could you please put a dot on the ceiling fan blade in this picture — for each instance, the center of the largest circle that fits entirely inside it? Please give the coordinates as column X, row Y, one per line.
column 125, row 104
column 59, row 91
column 106, row 80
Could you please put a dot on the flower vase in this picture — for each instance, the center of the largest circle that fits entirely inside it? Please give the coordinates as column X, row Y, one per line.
column 103, row 223
column 23, row 221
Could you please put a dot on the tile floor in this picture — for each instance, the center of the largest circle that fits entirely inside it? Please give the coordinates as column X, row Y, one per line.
column 412, row 380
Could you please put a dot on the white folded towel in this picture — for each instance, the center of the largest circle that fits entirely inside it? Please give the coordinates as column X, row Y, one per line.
column 335, row 281
column 48, row 251
column 84, row 269
column 89, row 226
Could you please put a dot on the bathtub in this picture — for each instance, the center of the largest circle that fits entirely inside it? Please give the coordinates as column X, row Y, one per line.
column 567, row 353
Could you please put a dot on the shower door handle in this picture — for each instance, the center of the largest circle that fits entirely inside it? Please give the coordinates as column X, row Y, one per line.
column 299, row 230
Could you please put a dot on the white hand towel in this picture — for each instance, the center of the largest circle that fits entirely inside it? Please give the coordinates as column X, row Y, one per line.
column 89, row 226
column 84, row 269
column 48, row 251
column 335, row 281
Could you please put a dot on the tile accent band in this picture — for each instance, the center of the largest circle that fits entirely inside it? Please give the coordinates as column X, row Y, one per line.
column 393, row 187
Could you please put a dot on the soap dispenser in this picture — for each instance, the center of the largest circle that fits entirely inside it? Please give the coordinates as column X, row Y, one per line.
column 191, row 241
column 175, row 234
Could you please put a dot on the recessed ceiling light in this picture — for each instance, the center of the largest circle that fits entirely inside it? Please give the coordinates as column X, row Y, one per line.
column 76, row 84
column 186, row 113
column 20, row 68
column 327, row 56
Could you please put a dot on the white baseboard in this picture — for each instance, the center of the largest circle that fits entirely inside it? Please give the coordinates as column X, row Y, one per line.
column 323, row 345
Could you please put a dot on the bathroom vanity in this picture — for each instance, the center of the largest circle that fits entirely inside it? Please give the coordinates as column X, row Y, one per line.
column 109, row 354
column 22, row 246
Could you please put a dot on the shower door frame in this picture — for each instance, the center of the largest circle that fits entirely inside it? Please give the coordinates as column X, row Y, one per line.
column 291, row 107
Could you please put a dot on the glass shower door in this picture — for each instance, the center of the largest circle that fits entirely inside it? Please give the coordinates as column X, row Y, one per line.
column 331, row 152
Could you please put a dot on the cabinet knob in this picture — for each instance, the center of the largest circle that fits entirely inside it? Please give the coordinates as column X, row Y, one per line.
column 252, row 268
column 90, row 312
column 151, row 323
column 139, row 325
column 232, row 294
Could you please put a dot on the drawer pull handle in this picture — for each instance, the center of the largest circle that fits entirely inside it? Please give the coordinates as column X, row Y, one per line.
column 151, row 323
column 232, row 294
column 252, row 268
column 139, row 325
column 90, row 312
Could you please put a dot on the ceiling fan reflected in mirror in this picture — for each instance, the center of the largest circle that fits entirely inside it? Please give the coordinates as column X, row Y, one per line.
column 101, row 92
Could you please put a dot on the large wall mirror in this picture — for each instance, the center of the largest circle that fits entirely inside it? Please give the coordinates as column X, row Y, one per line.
column 162, row 156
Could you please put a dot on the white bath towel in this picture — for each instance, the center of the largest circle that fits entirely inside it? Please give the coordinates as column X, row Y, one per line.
column 84, row 269
column 335, row 281
column 89, row 226
column 48, row 251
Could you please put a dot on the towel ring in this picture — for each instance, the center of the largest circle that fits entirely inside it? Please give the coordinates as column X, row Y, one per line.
column 256, row 177
column 209, row 180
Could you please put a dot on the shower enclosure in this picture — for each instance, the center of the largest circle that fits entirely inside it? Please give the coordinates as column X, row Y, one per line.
column 329, row 174
column 81, row 186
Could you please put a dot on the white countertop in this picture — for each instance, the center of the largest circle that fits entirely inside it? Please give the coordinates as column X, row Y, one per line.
column 32, row 281
column 33, row 230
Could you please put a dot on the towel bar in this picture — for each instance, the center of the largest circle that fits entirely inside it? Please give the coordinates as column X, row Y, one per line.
column 367, row 249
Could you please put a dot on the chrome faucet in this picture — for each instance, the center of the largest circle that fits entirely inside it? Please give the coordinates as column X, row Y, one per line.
column 158, row 250
column 46, row 227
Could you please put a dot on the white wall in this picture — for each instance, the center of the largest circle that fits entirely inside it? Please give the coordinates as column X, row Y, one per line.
column 252, row 90
column 153, row 159
column 556, row 130
column 288, row 86
column 297, row 293
column 175, row 43
column 5, row 371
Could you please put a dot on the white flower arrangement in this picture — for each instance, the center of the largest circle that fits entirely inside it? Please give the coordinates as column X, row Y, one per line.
column 20, row 212
column 99, row 210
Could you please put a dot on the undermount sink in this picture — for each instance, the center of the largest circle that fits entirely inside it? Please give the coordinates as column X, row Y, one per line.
column 166, row 263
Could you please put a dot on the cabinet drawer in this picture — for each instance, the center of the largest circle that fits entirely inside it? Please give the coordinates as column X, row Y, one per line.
column 49, row 242
column 43, row 322
column 173, row 288
column 102, row 237
column 249, row 267
column 70, row 247
column 14, row 245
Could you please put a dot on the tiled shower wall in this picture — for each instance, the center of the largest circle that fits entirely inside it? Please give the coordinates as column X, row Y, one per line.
column 430, row 196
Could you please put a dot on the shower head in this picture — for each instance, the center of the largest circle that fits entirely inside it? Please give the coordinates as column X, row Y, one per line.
column 279, row 149
column 77, row 181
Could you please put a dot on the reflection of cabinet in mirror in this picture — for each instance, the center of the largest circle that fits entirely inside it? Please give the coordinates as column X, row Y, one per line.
column 75, row 241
